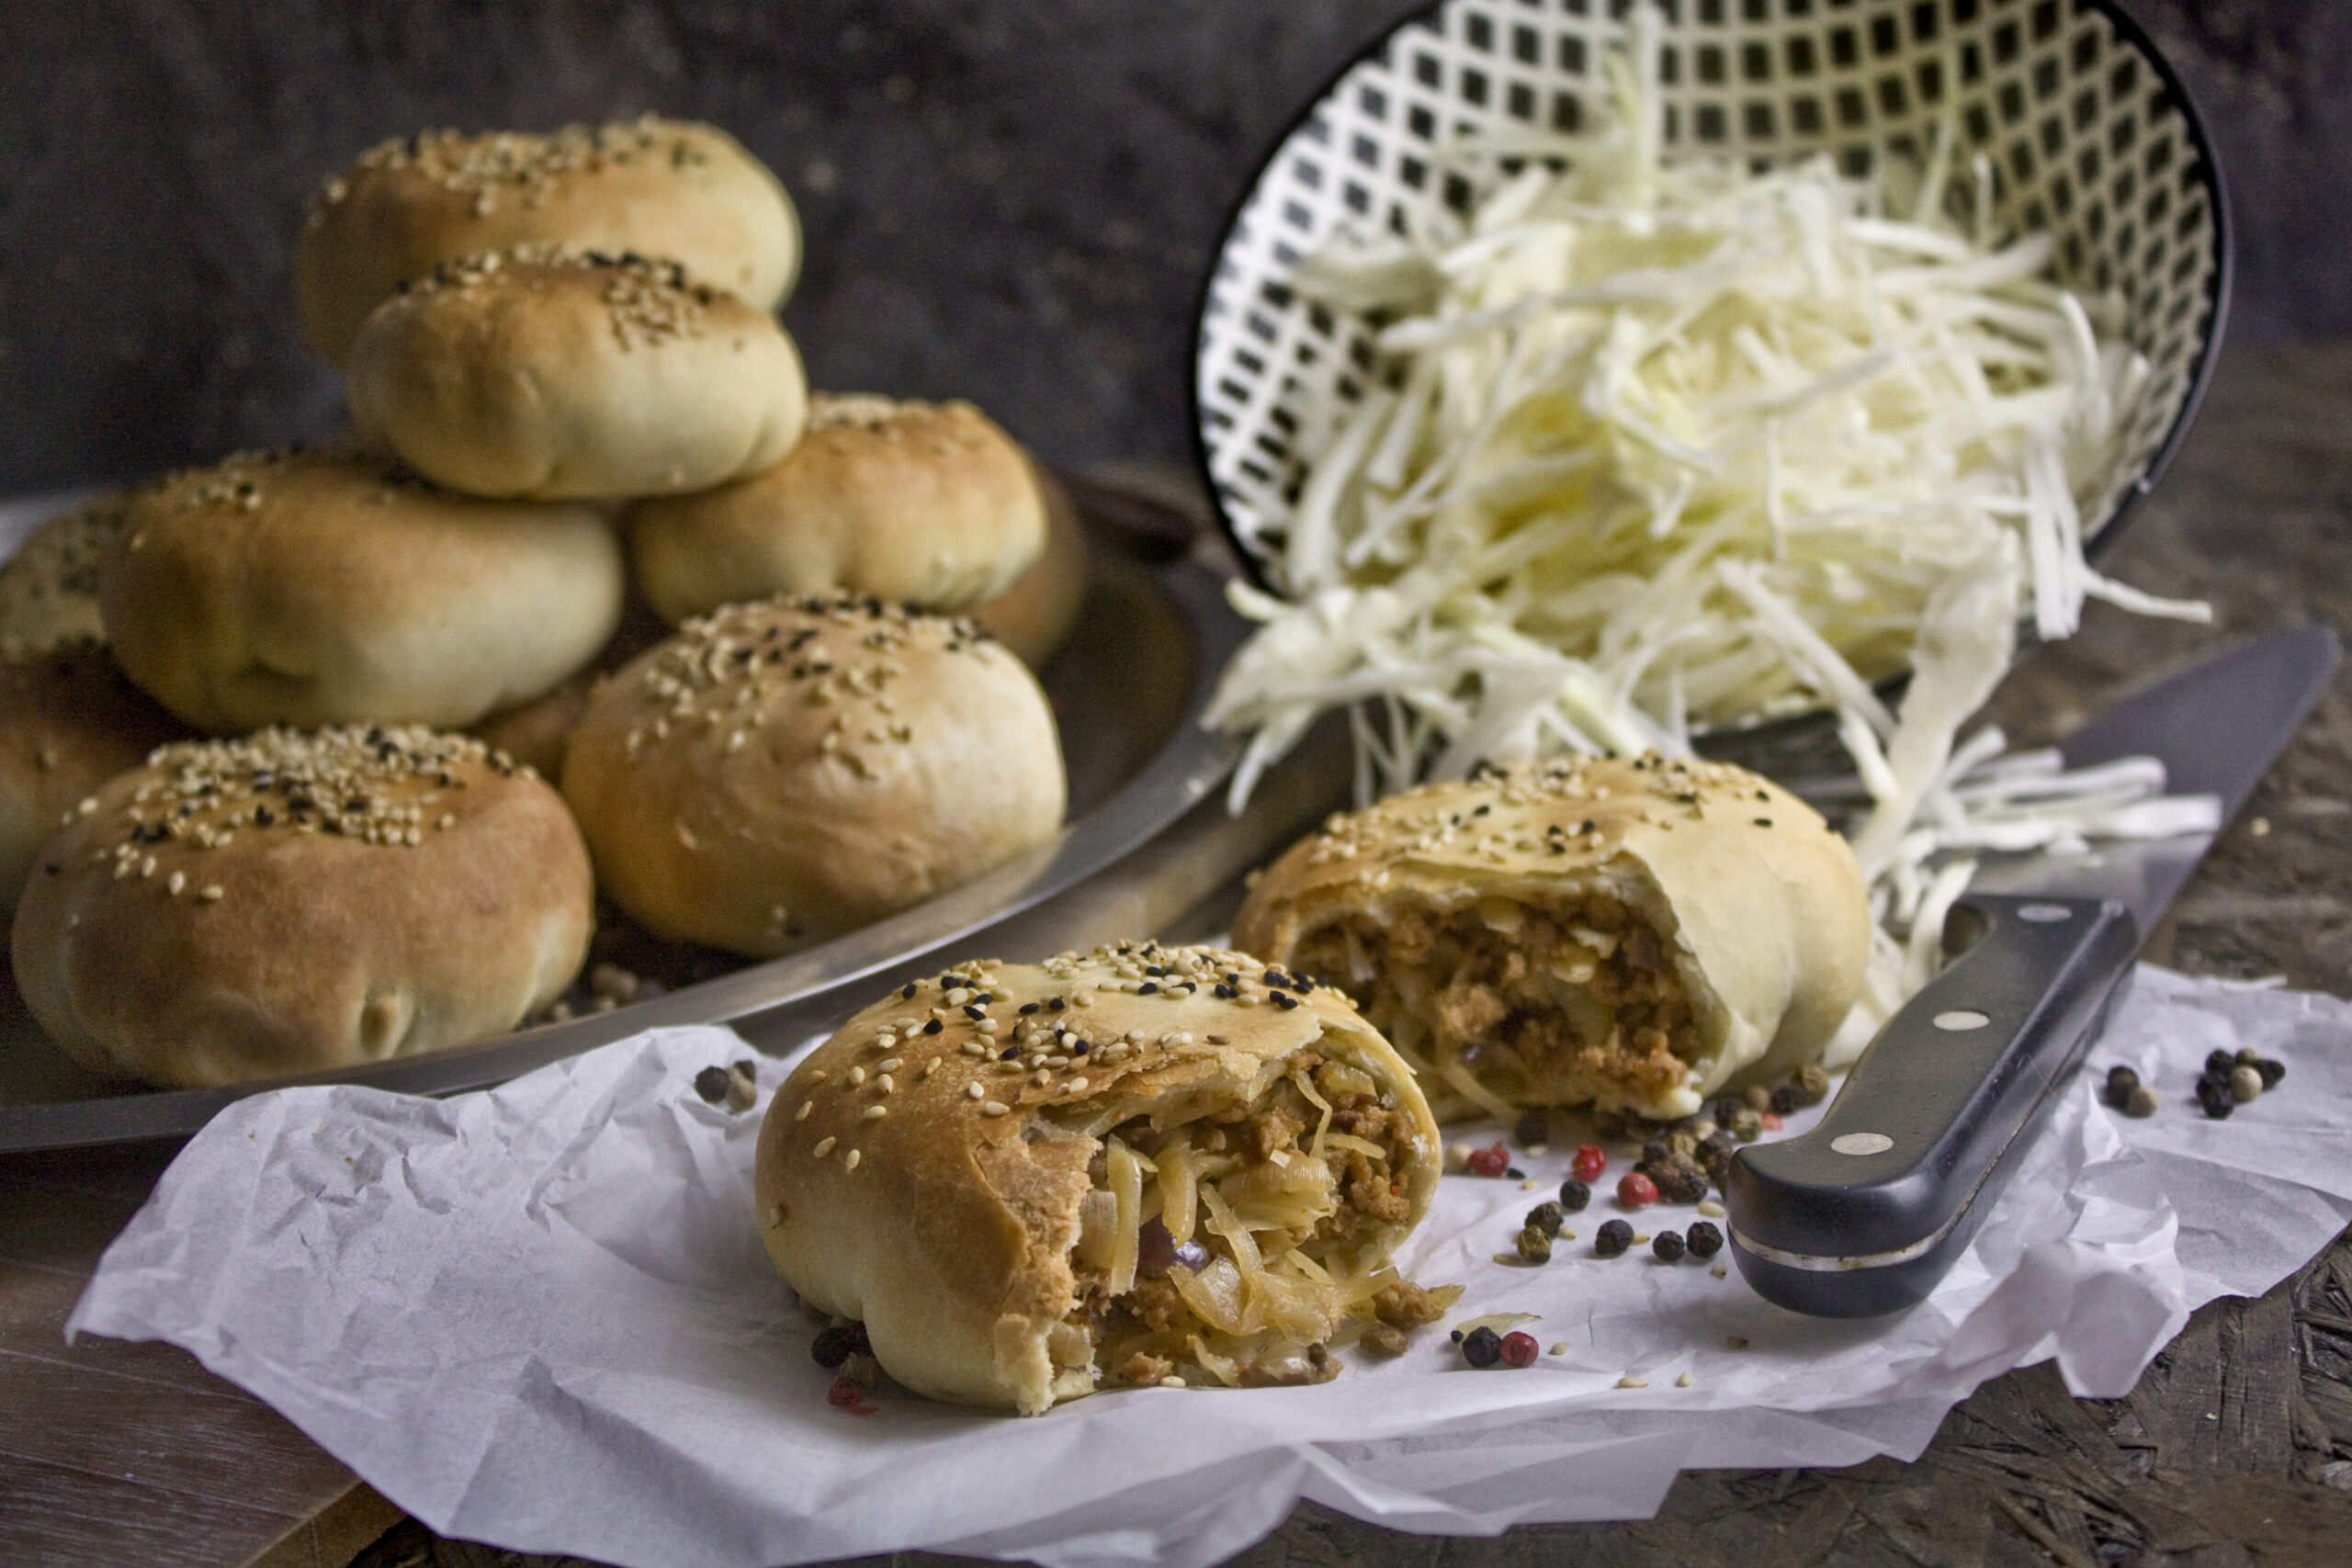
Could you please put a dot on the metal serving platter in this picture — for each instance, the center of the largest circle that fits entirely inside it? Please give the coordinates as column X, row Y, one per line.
column 1128, row 690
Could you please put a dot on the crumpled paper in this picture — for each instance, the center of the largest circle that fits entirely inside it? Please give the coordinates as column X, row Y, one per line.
column 542, row 1317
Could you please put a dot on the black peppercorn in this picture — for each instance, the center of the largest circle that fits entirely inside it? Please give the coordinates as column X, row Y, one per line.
column 2271, row 1072
column 1667, row 1247
column 2213, row 1094
column 1703, row 1240
column 2120, row 1082
column 1678, row 1183
column 711, row 1084
column 1784, row 1100
column 1654, row 1152
column 1614, row 1238
column 1482, row 1346
column 2218, row 1061
column 1575, row 1195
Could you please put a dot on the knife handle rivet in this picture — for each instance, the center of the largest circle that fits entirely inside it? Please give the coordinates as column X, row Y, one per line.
column 1861, row 1143
column 2045, row 914
column 1959, row 1019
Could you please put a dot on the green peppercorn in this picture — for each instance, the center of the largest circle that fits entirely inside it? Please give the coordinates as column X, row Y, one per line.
column 1534, row 1245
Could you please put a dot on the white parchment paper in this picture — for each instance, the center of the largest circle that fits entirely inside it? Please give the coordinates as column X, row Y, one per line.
column 542, row 1317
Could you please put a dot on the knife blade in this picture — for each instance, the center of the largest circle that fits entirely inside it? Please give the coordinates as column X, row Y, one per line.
column 1865, row 1214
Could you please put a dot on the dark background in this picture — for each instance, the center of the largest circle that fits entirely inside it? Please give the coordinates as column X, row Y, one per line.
column 1011, row 200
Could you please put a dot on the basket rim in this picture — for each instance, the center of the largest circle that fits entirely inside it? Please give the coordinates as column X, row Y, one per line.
column 2201, row 376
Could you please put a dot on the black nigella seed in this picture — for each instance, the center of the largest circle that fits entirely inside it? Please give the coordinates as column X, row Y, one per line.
column 932, row 1027
column 1667, row 1247
column 2271, row 1071
column 711, row 1084
column 1482, row 1346
column 909, row 992
column 1079, row 1049
column 1149, row 988
column 1514, row 1173
column 1457, row 1336
column 1154, row 970
column 1614, row 1238
column 1028, row 1007
column 2120, row 1082
column 1575, row 1195
column 2221, row 1062
column 1703, row 1239
column 1226, row 992
column 1010, row 1054
column 973, row 1010
column 1052, row 1004
column 1284, row 1002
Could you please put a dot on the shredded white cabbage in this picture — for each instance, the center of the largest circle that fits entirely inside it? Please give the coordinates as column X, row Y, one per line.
column 1667, row 445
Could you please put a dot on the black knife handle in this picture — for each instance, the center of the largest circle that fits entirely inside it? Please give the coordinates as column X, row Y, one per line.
column 1864, row 1214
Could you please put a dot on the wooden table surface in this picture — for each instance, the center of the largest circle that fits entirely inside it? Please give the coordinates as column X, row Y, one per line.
column 2235, row 1447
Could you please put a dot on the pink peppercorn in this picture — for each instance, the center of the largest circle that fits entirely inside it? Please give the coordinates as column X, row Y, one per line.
column 1519, row 1349
column 1589, row 1162
column 1770, row 1120
column 1636, row 1190
column 1492, row 1160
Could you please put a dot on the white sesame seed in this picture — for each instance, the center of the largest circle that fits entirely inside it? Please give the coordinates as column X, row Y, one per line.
column 1712, row 1208
column 849, row 1160
column 1631, row 1382
column 1719, row 1271
column 775, row 1215
column 213, row 893
column 988, row 1026
column 974, row 1048
column 889, row 1064
column 1683, row 1381
column 857, row 1076
column 929, row 1068
column 958, row 996
column 874, row 1114
column 1561, row 1348
column 824, row 1146
column 806, row 1107
column 1171, row 1382
column 886, row 1084
column 973, row 1089
column 179, row 884
column 994, row 1108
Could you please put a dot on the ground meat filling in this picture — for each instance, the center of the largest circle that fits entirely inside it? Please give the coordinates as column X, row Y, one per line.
column 1539, row 1005
column 1309, row 1171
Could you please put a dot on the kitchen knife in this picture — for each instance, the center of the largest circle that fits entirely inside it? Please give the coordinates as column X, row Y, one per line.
column 1864, row 1214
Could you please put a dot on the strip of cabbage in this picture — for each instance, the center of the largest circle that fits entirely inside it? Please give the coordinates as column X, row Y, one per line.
column 1668, row 443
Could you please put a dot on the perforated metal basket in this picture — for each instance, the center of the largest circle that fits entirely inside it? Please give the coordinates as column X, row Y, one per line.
column 2088, row 130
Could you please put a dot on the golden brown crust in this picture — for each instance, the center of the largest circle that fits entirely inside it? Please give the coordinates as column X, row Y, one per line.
column 945, row 1224
column 333, row 588
column 69, row 721
column 1035, row 616
column 48, row 587
column 659, row 187
column 552, row 374
column 324, row 901
column 929, row 504
column 784, row 772
column 537, row 732
column 1758, row 907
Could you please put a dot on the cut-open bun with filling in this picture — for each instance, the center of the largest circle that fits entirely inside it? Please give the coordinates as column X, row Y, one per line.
column 1136, row 1164
column 1634, row 935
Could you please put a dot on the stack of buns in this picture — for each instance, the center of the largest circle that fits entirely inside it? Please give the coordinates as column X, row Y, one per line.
column 551, row 343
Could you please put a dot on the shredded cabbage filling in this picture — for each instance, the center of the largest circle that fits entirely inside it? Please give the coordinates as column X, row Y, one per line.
column 1500, row 1004
column 1240, row 1242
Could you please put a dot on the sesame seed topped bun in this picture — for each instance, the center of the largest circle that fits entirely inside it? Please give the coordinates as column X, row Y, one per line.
column 333, row 588
column 555, row 374
column 783, row 772
column 69, row 721
column 1631, row 933
column 290, row 903
column 655, row 186
column 1128, row 1165
column 48, row 589
column 929, row 504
